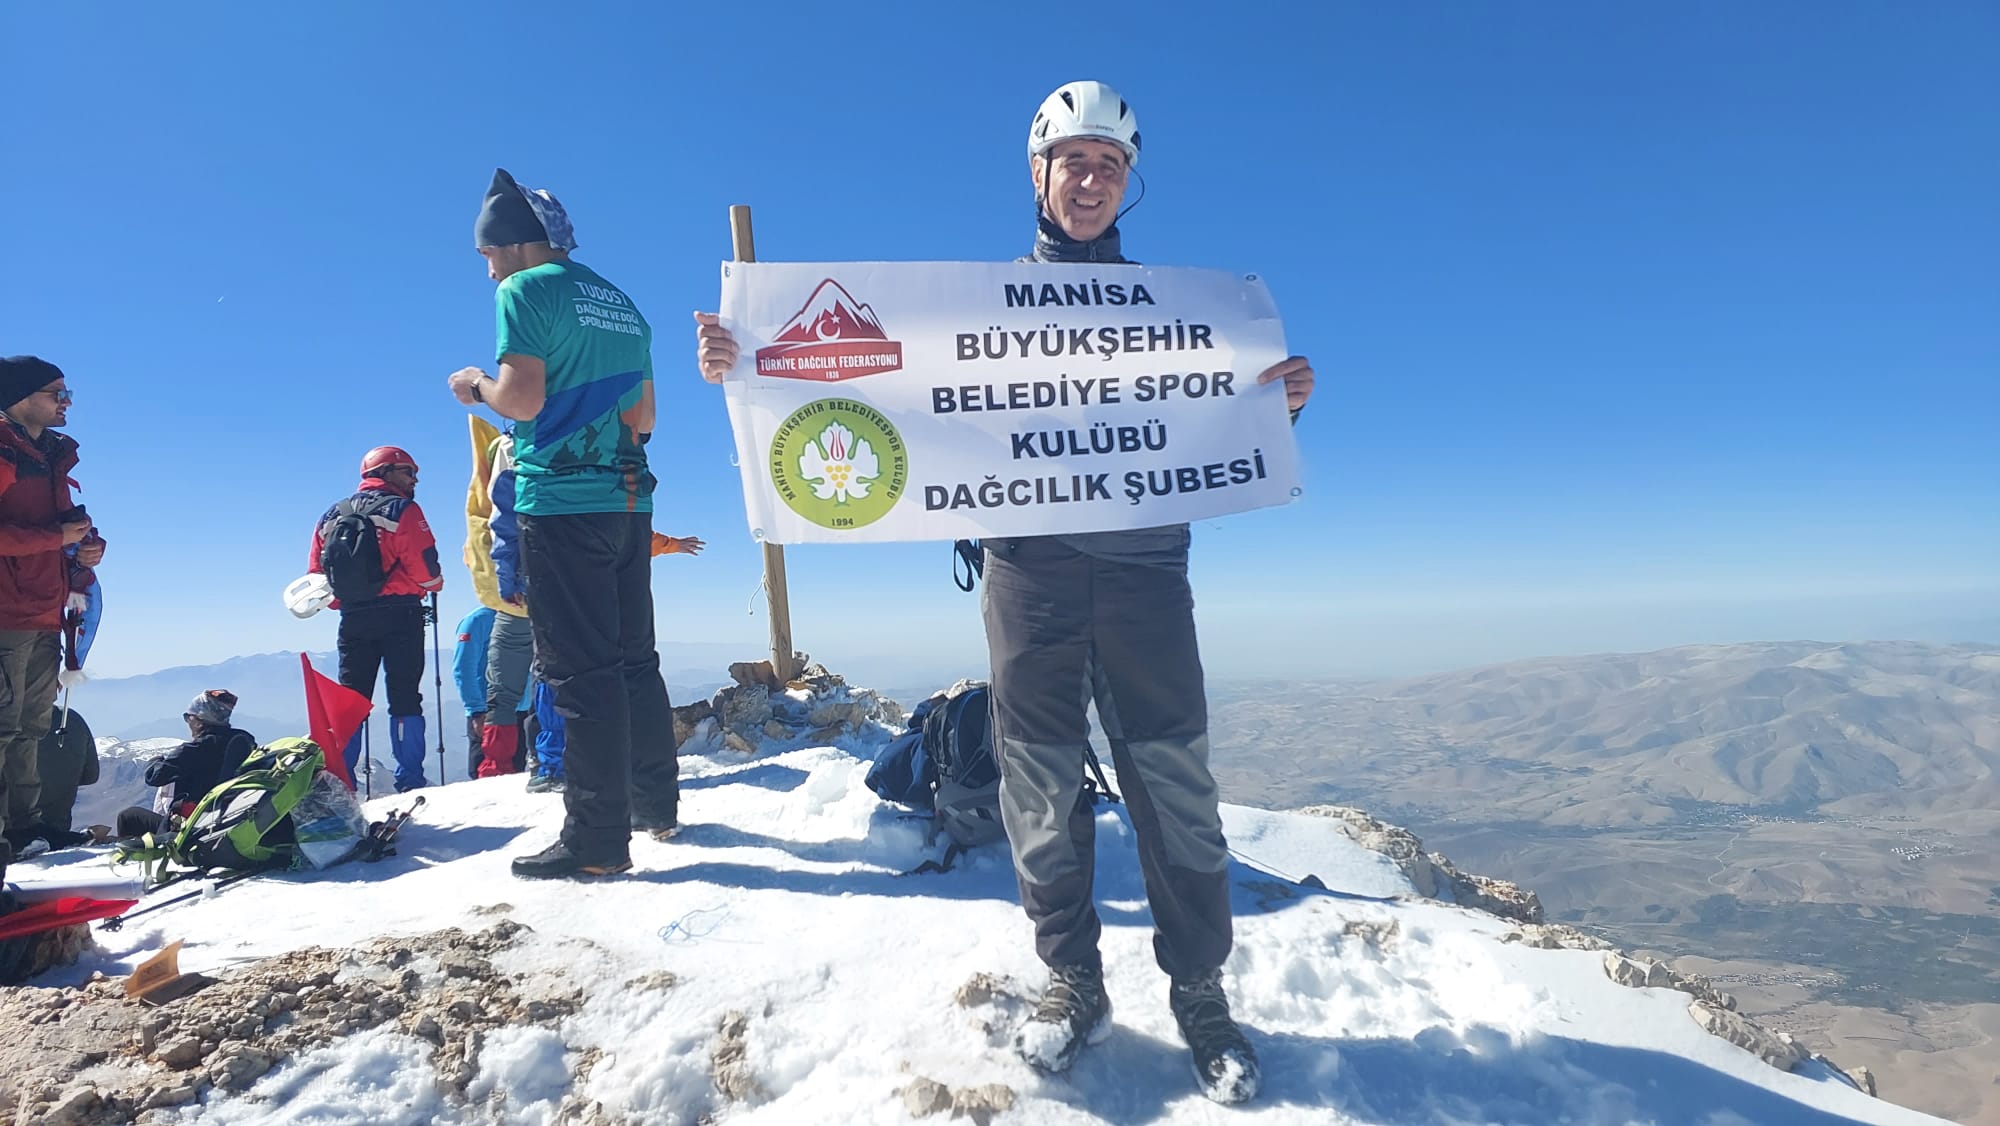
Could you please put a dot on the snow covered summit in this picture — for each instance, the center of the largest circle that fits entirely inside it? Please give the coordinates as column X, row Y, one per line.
column 773, row 964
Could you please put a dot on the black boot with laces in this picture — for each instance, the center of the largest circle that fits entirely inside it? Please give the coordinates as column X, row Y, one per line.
column 1074, row 1011
column 1224, row 1062
column 557, row 861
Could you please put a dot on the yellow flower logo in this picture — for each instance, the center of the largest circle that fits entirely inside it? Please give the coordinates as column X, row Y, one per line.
column 838, row 463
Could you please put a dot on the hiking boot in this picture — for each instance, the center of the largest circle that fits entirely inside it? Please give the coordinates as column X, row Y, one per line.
column 544, row 784
column 657, row 831
column 1224, row 1062
column 558, row 861
column 1074, row 1011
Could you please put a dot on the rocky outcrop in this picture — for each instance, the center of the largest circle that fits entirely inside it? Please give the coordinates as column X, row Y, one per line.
column 1432, row 874
column 1435, row 877
column 1554, row 936
column 925, row 1097
column 1645, row 973
column 982, row 989
column 729, row 1063
column 1715, row 1011
column 817, row 706
column 1775, row 1048
column 441, row 987
column 38, row 953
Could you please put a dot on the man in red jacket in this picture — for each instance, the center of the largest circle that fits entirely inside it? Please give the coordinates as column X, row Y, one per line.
column 46, row 542
column 382, row 611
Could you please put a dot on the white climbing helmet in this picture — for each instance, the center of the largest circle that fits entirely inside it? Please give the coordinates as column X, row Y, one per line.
column 308, row 595
column 1085, row 109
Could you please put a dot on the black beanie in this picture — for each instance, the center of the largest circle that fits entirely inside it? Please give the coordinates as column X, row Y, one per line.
column 22, row 376
column 505, row 218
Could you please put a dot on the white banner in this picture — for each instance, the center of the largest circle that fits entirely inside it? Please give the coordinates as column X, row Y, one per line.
column 880, row 401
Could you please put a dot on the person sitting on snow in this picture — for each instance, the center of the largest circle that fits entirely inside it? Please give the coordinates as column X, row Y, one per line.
column 213, row 753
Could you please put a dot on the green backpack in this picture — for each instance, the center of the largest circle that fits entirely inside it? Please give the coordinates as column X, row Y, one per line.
column 243, row 824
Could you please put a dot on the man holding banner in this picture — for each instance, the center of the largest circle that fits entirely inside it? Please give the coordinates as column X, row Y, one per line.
column 1053, row 414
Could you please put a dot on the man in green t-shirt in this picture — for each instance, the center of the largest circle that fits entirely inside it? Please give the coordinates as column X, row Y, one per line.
column 576, row 376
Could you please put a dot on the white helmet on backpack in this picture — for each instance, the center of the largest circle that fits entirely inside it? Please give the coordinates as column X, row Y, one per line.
column 1085, row 109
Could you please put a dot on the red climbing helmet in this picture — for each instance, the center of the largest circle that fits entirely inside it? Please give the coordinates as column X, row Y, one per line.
column 382, row 457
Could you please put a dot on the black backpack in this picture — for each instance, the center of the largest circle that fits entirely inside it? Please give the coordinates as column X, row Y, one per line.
column 958, row 739
column 350, row 553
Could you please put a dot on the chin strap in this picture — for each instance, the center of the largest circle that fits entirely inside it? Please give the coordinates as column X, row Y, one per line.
column 1136, row 202
column 1042, row 197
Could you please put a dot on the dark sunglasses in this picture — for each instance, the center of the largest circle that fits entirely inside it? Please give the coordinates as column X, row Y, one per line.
column 62, row 394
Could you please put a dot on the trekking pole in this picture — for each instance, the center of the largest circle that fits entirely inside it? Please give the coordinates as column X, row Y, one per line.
column 367, row 764
column 437, row 682
column 117, row 921
column 381, row 839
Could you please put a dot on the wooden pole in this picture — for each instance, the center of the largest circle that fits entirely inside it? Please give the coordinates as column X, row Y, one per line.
column 782, row 656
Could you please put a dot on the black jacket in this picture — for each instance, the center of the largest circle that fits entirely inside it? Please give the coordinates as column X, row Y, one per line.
column 1052, row 244
column 199, row 765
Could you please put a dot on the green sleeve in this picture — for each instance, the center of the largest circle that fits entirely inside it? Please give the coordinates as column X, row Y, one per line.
column 523, row 329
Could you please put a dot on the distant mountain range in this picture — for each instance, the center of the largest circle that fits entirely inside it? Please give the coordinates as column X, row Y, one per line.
column 1624, row 739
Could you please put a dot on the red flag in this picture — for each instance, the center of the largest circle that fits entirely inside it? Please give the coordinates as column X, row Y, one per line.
column 333, row 713
column 67, row 911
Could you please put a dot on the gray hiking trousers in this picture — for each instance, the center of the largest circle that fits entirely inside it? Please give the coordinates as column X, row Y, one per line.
column 30, row 667
column 1063, row 626
column 510, row 653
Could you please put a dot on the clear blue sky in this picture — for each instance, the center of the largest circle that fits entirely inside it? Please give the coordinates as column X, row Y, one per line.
column 1635, row 324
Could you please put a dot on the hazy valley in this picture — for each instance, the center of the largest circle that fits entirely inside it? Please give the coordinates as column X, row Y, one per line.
column 1816, row 825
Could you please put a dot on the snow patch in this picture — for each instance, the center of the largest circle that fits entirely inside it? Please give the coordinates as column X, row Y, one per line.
column 375, row 1078
column 529, row 1069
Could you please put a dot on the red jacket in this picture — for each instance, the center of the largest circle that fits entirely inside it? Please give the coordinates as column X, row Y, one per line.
column 34, row 492
column 409, row 552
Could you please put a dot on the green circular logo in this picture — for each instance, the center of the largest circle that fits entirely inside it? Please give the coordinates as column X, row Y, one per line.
column 839, row 463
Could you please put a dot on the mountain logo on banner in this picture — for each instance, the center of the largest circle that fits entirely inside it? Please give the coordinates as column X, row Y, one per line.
column 832, row 337
column 839, row 463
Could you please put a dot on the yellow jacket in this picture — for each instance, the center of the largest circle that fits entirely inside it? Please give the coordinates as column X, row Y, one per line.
column 490, row 455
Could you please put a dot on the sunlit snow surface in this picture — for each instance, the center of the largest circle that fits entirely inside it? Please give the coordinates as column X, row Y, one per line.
column 783, row 899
